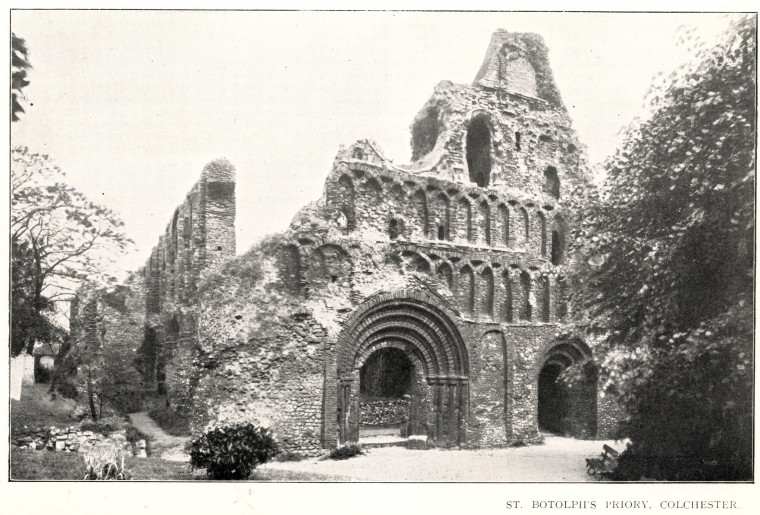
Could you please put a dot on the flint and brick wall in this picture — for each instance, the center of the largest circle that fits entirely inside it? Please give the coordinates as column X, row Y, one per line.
column 260, row 342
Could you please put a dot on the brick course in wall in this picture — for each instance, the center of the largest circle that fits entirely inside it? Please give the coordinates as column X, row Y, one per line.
column 457, row 260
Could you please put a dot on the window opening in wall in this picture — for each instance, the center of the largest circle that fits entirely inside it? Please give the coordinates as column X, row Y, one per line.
column 478, row 151
column 488, row 287
column 545, row 299
column 525, row 222
column 525, row 308
column 394, row 229
column 562, row 301
column 542, row 228
column 358, row 153
column 485, row 215
column 445, row 273
column 420, row 212
column 507, row 313
column 441, row 232
column 467, row 290
column 504, row 219
column 556, row 248
column 517, row 141
column 333, row 278
column 551, row 184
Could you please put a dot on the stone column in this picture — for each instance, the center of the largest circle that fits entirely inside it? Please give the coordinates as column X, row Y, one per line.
column 453, row 416
column 344, row 398
column 438, row 400
column 464, row 406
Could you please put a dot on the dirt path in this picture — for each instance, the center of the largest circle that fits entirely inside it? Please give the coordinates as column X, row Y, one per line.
column 557, row 460
column 162, row 445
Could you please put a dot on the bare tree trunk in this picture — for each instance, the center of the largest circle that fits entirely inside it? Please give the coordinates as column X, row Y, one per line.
column 90, row 396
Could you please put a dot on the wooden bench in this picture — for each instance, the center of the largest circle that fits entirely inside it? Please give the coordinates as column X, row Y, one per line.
column 605, row 463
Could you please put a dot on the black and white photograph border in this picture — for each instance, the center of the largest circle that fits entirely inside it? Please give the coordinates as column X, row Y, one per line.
column 389, row 260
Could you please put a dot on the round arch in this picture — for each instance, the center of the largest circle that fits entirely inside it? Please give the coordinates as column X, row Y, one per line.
column 423, row 327
column 571, row 409
column 478, row 146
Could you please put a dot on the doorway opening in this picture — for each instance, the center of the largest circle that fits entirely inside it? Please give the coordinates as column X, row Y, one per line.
column 552, row 400
column 385, row 388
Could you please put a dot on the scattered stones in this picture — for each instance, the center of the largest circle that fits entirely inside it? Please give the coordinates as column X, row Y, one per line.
column 71, row 439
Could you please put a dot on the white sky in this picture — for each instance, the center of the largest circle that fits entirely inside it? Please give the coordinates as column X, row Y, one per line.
column 132, row 104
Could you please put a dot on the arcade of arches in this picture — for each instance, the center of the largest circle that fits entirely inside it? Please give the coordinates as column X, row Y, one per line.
column 421, row 298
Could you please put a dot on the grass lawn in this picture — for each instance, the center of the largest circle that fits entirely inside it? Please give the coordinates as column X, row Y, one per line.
column 47, row 465
column 69, row 466
column 36, row 408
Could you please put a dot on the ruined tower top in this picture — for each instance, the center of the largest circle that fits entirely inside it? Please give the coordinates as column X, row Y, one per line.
column 518, row 63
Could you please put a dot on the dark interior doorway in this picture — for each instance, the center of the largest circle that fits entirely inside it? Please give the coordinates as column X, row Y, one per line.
column 386, row 374
column 385, row 388
column 552, row 400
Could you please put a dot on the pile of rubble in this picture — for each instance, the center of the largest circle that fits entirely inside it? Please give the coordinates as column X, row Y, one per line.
column 73, row 439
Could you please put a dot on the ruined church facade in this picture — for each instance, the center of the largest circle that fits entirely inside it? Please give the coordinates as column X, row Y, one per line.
column 422, row 299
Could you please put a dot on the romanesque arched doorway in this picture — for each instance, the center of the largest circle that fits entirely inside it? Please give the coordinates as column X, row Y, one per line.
column 394, row 398
column 567, row 409
column 404, row 346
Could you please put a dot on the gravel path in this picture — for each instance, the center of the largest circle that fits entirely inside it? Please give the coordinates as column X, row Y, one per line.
column 162, row 445
column 557, row 460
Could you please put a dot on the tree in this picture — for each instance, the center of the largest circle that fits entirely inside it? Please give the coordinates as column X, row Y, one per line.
column 19, row 65
column 59, row 239
column 30, row 321
column 99, row 367
column 668, row 288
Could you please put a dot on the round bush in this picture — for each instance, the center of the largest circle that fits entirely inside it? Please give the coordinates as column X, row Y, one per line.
column 232, row 452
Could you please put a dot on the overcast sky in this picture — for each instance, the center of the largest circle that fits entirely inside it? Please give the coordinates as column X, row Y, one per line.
column 132, row 104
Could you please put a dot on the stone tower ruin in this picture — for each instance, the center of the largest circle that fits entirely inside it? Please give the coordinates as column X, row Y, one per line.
column 421, row 299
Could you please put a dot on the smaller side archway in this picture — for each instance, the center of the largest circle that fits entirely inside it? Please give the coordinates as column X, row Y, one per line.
column 566, row 407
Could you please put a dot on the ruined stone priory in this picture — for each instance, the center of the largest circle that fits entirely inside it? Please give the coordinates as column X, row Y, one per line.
column 425, row 299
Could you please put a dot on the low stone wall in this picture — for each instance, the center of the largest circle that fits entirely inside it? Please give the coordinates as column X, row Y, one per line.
column 73, row 439
column 384, row 412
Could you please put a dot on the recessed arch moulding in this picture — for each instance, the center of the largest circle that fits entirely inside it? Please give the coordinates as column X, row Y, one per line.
column 456, row 260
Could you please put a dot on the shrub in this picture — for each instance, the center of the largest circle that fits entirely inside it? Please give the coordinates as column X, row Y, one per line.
column 346, row 451
column 232, row 452
column 67, row 389
column 104, row 462
column 690, row 417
